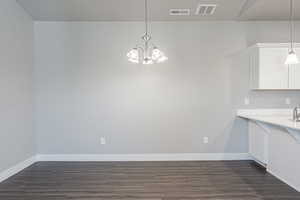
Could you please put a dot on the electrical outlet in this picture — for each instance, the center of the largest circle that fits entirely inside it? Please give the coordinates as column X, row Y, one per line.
column 287, row 101
column 205, row 140
column 247, row 101
column 102, row 141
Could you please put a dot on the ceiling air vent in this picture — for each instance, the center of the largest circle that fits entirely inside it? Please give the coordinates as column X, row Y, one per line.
column 180, row 12
column 206, row 9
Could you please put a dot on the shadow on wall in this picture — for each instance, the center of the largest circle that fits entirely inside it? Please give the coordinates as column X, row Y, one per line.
column 234, row 136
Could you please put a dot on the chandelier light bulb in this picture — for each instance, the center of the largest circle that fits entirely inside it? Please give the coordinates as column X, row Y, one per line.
column 162, row 59
column 133, row 55
column 156, row 54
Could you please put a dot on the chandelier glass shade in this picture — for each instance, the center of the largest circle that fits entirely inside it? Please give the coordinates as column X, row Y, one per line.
column 146, row 53
column 292, row 58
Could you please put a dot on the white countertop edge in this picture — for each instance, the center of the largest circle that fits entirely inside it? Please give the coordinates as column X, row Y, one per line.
column 278, row 117
column 265, row 112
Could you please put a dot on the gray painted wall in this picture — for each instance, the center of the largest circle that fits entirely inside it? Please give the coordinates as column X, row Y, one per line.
column 17, row 142
column 86, row 89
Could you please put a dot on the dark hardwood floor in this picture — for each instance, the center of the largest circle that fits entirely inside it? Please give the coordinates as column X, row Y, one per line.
column 232, row 180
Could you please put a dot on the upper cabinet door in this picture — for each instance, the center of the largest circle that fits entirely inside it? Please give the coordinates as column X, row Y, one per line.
column 273, row 73
column 294, row 74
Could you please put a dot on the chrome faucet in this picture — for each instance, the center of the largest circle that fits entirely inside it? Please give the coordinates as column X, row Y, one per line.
column 296, row 114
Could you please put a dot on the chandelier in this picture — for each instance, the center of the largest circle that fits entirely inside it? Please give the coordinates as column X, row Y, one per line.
column 146, row 53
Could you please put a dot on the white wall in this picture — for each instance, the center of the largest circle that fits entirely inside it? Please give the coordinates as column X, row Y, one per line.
column 86, row 88
column 17, row 142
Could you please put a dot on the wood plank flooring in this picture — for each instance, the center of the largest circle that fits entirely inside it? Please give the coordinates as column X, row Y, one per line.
column 230, row 180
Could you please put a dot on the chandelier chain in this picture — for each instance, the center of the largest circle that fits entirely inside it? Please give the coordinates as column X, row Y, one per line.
column 291, row 24
column 146, row 17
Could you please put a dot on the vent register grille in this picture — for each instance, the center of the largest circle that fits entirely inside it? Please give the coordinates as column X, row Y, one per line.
column 206, row 9
column 180, row 12
column 202, row 10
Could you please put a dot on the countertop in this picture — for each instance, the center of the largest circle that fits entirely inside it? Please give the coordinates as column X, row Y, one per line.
column 278, row 117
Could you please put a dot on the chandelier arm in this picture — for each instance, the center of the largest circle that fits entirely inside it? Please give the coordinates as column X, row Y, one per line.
column 140, row 48
column 142, row 52
column 153, row 45
column 146, row 52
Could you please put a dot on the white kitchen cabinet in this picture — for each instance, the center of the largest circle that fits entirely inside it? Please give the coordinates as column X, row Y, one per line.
column 274, row 142
column 284, row 159
column 258, row 143
column 267, row 68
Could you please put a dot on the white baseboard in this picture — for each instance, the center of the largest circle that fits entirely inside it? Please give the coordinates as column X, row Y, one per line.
column 16, row 169
column 145, row 157
column 258, row 162
column 283, row 180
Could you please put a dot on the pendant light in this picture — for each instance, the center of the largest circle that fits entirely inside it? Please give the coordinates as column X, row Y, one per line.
column 147, row 53
column 292, row 58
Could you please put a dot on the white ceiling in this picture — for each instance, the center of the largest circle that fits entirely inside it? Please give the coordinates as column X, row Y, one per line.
column 133, row 10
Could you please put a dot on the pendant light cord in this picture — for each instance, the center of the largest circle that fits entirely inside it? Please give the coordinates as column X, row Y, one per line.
column 146, row 36
column 146, row 17
column 291, row 24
